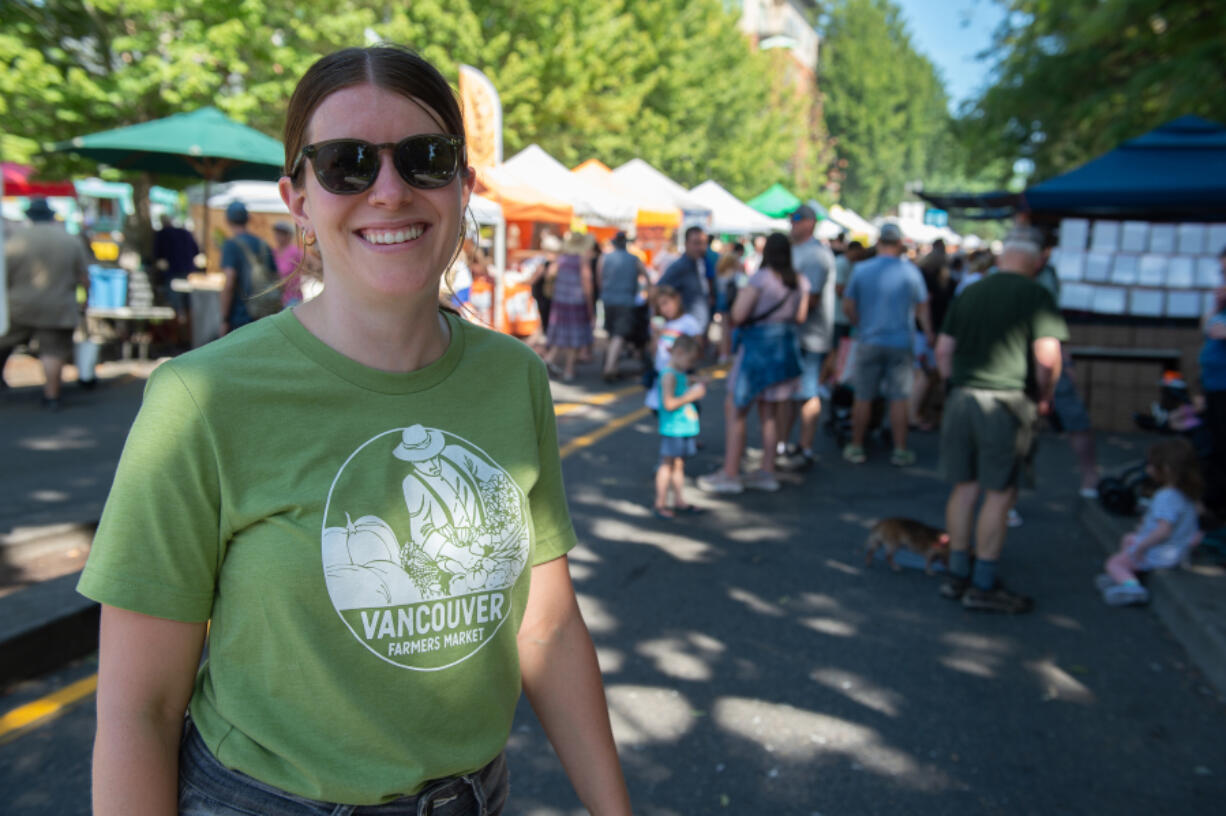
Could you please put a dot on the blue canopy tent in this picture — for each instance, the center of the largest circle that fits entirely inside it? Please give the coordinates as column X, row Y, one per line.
column 1176, row 172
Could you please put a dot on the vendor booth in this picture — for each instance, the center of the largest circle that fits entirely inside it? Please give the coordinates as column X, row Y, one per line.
column 731, row 216
column 1140, row 228
column 594, row 205
column 654, row 209
column 637, row 174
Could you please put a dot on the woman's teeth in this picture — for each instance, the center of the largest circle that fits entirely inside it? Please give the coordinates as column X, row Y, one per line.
column 393, row 236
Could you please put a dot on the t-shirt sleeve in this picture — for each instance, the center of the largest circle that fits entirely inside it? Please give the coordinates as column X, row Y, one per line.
column 1168, row 505
column 159, row 543
column 231, row 255
column 1047, row 320
column 688, row 324
column 552, row 528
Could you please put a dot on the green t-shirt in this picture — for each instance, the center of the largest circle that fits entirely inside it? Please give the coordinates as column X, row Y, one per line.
column 360, row 540
column 994, row 322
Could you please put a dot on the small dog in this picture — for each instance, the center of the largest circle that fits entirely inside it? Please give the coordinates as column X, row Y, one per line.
column 916, row 536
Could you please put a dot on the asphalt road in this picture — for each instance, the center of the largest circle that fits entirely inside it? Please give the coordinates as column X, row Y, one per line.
column 754, row 665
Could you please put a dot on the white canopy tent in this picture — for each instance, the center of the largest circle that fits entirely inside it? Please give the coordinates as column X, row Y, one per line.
column 594, row 204
column 730, row 215
column 855, row 225
column 639, row 175
column 922, row 233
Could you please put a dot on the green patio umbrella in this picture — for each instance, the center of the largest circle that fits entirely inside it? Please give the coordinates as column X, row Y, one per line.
column 776, row 202
column 203, row 144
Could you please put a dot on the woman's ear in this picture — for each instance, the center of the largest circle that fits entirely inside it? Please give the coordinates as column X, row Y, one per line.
column 295, row 200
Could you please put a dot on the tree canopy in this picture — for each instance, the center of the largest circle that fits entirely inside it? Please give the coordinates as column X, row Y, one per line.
column 885, row 105
column 1072, row 79
column 671, row 81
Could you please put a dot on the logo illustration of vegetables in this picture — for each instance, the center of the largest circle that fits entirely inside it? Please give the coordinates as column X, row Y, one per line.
column 468, row 533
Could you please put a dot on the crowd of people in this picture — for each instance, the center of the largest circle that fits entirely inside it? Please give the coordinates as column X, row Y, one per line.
column 971, row 343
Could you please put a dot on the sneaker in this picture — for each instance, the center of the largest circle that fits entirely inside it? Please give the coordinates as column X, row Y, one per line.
column 1103, row 582
column 901, row 457
column 855, row 454
column 1126, row 595
column 1015, row 518
column 996, row 599
column 794, row 462
column 720, row 482
column 760, row 480
column 954, row 587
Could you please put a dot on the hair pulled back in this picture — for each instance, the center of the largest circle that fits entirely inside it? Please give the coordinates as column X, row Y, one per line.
column 777, row 254
column 390, row 67
column 1176, row 464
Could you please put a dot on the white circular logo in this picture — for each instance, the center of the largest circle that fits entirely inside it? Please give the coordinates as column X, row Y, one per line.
column 424, row 536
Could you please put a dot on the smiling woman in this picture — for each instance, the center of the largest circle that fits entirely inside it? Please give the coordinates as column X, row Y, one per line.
column 383, row 566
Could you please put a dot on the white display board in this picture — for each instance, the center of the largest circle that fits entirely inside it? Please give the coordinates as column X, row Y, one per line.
column 1139, row 268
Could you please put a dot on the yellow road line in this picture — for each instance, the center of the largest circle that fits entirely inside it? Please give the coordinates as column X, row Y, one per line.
column 35, row 713
column 563, row 408
column 603, row 431
column 45, row 709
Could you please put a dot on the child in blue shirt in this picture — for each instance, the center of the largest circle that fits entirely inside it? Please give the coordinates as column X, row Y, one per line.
column 678, row 426
column 1169, row 530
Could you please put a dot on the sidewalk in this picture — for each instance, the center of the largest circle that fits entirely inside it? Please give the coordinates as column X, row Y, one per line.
column 59, row 468
column 64, row 462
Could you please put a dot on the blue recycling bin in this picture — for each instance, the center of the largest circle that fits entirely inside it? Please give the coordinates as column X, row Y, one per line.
column 108, row 287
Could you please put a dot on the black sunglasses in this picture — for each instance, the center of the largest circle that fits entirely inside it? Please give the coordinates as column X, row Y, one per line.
column 350, row 166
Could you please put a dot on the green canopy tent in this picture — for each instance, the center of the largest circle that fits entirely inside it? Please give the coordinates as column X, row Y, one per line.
column 776, row 202
column 204, row 143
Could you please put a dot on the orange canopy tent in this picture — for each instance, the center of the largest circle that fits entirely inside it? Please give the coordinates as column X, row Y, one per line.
column 519, row 201
column 652, row 212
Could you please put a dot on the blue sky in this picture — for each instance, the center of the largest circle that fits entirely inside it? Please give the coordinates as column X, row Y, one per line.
column 950, row 33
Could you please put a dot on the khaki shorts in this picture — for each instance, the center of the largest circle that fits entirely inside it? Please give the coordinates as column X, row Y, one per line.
column 988, row 437
column 54, row 343
column 882, row 371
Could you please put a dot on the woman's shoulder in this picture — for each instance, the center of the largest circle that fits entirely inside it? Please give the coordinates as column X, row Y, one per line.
column 234, row 353
column 486, row 344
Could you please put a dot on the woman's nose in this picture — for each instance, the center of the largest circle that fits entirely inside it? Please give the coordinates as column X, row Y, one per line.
column 389, row 189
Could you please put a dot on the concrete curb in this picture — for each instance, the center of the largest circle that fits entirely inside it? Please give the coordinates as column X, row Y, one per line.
column 1190, row 603
column 43, row 627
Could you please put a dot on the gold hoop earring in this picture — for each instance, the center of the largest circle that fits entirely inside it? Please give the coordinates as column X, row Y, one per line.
column 309, row 239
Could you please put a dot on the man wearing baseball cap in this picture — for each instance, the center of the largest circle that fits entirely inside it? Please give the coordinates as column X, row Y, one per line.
column 814, row 260
column 237, row 255
column 991, row 334
column 882, row 301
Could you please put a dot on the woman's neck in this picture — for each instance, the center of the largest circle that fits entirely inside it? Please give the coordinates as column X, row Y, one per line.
column 399, row 339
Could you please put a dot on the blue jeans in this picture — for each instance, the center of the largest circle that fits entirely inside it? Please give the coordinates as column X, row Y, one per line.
column 208, row 788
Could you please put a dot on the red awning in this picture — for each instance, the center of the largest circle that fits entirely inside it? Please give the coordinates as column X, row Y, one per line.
column 17, row 182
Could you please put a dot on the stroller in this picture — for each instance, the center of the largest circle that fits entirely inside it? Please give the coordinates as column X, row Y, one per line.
column 842, row 395
column 1172, row 413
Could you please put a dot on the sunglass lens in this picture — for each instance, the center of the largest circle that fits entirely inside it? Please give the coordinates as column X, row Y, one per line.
column 427, row 162
column 345, row 167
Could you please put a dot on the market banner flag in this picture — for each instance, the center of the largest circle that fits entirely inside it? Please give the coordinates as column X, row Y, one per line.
column 482, row 117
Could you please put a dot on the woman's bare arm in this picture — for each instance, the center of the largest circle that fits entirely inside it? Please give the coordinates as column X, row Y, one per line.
column 562, row 682
column 146, row 671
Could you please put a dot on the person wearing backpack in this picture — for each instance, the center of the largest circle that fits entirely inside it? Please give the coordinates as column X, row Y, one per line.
column 250, row 268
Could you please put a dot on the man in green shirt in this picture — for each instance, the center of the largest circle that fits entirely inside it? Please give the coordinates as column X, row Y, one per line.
column 999, row 350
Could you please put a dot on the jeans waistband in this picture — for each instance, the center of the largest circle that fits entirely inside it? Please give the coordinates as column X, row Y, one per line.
column 467, row 795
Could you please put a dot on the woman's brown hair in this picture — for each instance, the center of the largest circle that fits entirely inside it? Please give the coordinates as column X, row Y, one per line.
column 1176, row 465
column 390, row 67
column 777, row 254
